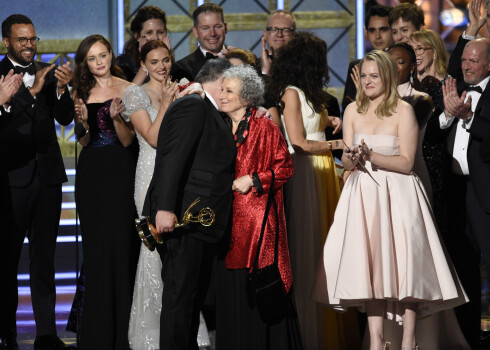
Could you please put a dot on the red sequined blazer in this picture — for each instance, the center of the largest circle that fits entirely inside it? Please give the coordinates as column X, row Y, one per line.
column 264, row 148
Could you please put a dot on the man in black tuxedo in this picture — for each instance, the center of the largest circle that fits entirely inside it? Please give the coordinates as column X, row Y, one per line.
column 468, row 116
column 195, row 159
column 34, row 170
column 210, row 30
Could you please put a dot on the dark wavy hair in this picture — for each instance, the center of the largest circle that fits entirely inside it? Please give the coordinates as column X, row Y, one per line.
column 302, row 62
column 131, row 48
column 152, row 45
column 83, row 80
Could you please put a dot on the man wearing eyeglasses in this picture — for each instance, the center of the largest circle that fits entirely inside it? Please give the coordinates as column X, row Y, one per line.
column 281, row 27
column 34, row 171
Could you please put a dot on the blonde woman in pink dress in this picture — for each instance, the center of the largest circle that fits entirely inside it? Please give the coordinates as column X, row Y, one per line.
column 383, row 253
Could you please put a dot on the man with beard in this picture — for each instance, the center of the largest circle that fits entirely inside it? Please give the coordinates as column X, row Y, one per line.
column 34, row 172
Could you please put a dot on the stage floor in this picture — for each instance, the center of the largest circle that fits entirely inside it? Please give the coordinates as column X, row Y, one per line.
column 65, row 262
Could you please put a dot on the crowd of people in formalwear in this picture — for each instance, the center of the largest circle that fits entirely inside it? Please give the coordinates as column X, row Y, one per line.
column 380, row 252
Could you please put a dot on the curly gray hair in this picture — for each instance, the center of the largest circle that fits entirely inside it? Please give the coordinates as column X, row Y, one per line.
column 252, row 86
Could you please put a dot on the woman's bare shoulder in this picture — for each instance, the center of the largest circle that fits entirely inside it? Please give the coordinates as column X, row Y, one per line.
column 351, row 108
column 403, row 107
column 121, row 85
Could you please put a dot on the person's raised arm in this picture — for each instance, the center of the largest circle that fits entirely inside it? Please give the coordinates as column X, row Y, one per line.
column 476, row 17
column 142, row 122
column 265, row 60
column 81, row 116
column 124, row 132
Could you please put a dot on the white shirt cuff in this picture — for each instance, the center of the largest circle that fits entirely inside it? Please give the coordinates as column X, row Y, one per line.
column 467, row 125
column 58, row 94
column 468, row 37
column 445, row 123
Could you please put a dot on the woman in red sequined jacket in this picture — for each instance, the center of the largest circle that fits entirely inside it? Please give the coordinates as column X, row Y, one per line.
column 260, row 147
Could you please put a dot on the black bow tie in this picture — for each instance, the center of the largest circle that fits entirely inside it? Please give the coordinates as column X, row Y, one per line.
column 30, row 69
column 474, row 88
column 210, row 56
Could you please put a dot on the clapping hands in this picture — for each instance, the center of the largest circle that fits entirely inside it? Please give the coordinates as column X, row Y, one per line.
column 454, row 104
column 9, row 85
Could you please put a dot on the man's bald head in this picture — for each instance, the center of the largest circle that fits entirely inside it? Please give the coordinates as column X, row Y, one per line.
column 475, row 61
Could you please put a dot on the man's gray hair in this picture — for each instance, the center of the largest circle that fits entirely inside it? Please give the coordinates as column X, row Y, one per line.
column 212, row 70
column 252, row 86
column 487, row 3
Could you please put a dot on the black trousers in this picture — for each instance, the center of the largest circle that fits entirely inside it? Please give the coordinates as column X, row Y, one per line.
column 465, row 254
column 186, row 275
column 34, row 210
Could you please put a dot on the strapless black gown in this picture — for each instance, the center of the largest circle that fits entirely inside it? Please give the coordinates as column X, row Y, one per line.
column 105, row 201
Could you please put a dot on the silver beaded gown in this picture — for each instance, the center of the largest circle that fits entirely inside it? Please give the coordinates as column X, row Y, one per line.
column 144, row 324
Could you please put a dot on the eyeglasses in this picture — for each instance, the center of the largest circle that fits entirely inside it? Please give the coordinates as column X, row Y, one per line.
column 419, row 50
column 23, row 41
column 284, row 31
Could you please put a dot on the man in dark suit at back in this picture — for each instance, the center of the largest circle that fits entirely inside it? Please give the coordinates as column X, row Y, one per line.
column 468, row 117
column 35, row 172
column 379, row 36
column 210, row 30
column 195, row 159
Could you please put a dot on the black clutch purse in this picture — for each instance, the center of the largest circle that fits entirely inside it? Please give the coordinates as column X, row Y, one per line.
column 265, row 287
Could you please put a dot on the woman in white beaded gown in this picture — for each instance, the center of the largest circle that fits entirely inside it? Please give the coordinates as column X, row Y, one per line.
column 145, row 107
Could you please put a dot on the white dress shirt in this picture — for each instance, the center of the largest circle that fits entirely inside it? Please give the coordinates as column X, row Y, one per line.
column 459, row 160
column 212, row 100
column 27, row 78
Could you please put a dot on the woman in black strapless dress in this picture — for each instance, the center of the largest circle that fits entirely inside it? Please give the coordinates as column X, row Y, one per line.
column 104, row 190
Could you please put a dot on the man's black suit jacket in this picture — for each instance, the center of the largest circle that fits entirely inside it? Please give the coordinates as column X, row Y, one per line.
column 28, row 134
column 189, row 66
column 350, row 89
column 195, row 158
column 479, row 131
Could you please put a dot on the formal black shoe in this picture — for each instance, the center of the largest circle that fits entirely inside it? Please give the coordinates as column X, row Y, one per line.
column 8, row 343
column 51, row 342
column 485, row 339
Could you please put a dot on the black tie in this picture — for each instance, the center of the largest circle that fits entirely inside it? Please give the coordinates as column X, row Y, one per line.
column 210, row 56
column 474, row 88
column 30, row 69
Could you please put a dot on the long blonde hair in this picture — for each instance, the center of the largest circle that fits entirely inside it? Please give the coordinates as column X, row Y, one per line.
column 429, row 37
column 389, row 77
